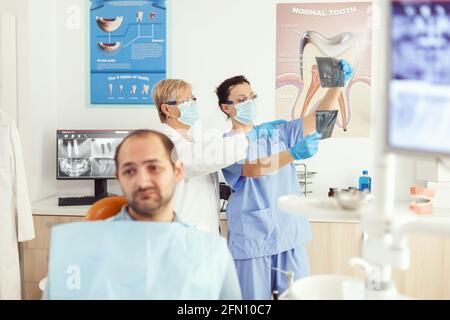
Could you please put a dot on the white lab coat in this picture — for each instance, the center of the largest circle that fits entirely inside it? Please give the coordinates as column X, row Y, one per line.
column 196, row 199
column 16, row 220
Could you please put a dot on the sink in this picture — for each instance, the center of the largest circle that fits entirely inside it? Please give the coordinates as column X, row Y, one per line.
column 335, row 287
column 326, row 287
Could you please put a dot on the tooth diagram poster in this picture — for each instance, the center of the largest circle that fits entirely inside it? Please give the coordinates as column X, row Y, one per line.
column 338, row 30
column 127, row 50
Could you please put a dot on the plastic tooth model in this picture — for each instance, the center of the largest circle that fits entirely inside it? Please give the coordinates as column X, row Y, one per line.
column 109, row 25
column 423, row 202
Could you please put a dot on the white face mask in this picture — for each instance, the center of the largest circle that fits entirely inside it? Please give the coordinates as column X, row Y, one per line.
column 246, row 112
column 189, row 113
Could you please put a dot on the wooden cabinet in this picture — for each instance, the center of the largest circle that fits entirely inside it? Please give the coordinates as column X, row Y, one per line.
column 429, row 274
column 34, row 254
column 332, row 245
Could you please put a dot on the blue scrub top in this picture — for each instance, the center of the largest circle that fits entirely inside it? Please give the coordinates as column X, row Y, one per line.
column 256, row 227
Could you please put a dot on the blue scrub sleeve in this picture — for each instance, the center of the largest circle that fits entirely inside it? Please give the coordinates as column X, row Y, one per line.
column 292, row 132
column 233, row 175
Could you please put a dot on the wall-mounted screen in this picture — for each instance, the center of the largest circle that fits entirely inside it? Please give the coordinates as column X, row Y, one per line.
column 87, row 154
column 419, row 89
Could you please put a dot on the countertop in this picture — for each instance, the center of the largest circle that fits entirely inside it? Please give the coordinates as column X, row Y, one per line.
column 49, row 206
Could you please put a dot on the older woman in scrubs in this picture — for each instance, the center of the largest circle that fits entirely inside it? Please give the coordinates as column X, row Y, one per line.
column 261, row 238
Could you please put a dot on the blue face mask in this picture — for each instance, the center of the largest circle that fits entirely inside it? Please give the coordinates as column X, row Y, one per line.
column 246, row 112
column 189, row 113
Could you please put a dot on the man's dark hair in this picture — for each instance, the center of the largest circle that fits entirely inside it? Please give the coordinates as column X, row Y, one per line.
column 167, row 143
column 223, row 90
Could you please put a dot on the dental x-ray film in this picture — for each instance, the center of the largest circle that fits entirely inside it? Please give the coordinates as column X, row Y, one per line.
column 325, row 122
column 330, row 72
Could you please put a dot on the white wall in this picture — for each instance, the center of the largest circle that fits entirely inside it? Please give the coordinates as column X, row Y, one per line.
column 35, row 85
column 8, row 64
column 16, row 10
column 37, row 118
column 208, row 41
column 204, row 56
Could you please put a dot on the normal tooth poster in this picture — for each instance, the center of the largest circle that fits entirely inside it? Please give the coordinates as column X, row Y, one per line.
column 338, row 30
column 127, row 51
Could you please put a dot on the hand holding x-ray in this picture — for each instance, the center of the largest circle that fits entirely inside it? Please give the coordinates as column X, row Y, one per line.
column 333, row 73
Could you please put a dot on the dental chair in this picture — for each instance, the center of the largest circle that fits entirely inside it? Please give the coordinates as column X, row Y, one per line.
column 105, row 208
column 224, row 193
column 101, row 210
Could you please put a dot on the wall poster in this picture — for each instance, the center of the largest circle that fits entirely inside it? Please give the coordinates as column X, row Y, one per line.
column 127, row 50
column 308, row 31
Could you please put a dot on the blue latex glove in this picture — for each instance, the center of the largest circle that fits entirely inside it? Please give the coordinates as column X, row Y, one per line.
column 263, row 130
column 346, row 69
column 307, row 147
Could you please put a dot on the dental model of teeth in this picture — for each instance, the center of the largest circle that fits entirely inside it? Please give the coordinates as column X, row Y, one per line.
column 109, row 25
column 109, row 47
column 423, row 203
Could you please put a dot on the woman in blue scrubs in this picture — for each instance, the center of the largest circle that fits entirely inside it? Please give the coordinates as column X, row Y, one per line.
column 260, row 236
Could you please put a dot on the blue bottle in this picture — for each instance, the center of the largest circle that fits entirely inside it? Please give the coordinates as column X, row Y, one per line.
column 365, row 182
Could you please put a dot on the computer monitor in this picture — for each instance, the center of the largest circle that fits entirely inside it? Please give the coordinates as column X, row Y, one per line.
column 87, row 155
column 419, row 86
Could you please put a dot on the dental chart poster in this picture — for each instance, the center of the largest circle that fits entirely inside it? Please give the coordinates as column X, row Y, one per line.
column 127, row 50
column 306, row 31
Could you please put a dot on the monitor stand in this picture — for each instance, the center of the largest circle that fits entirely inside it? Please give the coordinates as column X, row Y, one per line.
column 101, row 191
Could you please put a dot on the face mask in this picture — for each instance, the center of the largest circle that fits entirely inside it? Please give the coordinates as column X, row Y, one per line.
column 189, row 113
column 246, row 112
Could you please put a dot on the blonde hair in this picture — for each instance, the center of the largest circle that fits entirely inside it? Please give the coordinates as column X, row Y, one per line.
column 166, row 90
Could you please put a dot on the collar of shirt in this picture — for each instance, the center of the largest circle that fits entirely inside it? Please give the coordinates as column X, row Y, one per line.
column 176, row 136
column 123, row 215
